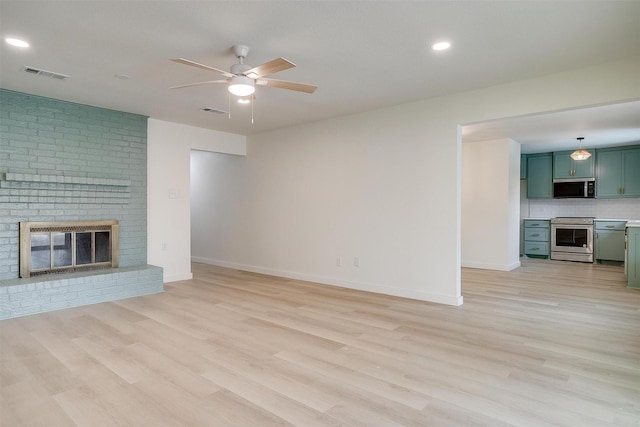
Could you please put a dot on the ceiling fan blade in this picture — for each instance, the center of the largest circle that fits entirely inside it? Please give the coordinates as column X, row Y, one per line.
column 283, row 84
column 201, row 66
column 198, row 84
column 271, row 67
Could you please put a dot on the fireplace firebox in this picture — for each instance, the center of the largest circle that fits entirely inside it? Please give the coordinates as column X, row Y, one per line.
column 63, row 246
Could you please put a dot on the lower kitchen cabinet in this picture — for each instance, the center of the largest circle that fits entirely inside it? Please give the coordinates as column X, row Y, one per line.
column 633, row 257
column 536, row 238
column 609, row 241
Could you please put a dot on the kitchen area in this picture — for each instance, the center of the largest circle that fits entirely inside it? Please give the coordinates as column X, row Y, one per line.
column 584, row 209
column 525, row 196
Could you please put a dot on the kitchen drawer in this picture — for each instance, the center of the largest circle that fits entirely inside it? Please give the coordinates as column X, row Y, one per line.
column 536, row 234
column 543, row 223
column 610, row 225
column 536, row 248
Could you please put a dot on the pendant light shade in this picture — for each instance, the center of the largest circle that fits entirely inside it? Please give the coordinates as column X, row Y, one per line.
column 580, row 153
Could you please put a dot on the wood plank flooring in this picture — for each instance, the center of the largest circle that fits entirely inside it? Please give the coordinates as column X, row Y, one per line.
column 551, row 343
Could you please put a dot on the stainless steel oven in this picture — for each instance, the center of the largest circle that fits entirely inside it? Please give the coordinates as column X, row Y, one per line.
column 572, row 239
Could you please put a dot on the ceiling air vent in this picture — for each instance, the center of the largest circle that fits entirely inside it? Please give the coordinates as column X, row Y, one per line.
column 45, row 73
column 213, row 110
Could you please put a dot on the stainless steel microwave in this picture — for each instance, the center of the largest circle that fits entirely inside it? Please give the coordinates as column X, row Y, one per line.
column 574, row 188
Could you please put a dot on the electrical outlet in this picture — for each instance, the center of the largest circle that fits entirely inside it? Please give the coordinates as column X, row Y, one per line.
column 164, row 246
column 339, row 262
column 356, row 261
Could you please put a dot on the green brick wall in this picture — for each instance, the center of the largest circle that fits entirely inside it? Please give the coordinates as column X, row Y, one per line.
column 65, row 161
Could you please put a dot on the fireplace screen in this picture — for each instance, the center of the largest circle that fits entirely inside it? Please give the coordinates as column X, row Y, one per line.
column 50, row 247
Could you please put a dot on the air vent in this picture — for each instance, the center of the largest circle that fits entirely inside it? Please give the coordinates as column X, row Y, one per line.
column 213, row 110
column 45, row 73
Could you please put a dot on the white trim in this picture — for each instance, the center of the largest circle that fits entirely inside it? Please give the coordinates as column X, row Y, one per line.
column 177, row 277
column 333, row 281
column 499, row 267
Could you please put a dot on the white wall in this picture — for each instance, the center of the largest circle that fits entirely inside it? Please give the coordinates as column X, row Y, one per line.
column 218, row 188
column 384, row 186
column 168, row 200
column 347, row 188
column 491, row 204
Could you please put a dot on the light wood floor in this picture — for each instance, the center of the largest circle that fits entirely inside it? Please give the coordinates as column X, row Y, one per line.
column 551, row 343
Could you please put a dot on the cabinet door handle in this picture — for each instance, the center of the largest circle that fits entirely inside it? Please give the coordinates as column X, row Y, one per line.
column 535, row 235
column 610, row 226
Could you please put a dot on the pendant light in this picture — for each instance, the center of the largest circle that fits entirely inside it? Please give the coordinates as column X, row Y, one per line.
column 580, row 153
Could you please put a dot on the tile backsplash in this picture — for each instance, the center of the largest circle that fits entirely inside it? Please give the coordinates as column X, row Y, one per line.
column 598, row 208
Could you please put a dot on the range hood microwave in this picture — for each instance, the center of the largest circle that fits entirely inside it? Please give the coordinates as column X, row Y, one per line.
column 584, row 188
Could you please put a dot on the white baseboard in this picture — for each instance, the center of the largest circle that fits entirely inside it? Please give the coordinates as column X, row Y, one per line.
column 334, row 281
column 498, row 267
column 177, row 277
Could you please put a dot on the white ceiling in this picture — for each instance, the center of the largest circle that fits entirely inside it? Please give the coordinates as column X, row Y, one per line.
column 362, row 55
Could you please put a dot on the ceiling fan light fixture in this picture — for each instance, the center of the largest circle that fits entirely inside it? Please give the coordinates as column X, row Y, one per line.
column 242, row 86
column 580, row 153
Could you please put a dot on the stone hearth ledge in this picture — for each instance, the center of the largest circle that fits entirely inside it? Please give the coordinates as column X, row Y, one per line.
column 39, row 294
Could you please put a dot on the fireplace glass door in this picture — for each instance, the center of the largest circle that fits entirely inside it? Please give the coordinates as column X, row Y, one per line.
column 54, row 250
column 53, row 247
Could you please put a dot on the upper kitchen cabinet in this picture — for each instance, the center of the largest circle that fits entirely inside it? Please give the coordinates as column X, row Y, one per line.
column 539, row 173
column 618, row 172
column 565, row 167
column 523, row 166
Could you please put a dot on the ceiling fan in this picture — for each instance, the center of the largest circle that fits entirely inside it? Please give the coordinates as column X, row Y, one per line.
column 243, row 78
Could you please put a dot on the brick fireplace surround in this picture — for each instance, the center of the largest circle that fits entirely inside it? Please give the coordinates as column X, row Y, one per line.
column 61, row 161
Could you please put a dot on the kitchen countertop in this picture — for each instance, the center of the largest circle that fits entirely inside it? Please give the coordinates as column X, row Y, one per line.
column 634, row 223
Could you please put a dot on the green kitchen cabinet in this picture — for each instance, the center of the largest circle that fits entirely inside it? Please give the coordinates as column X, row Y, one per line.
column 609, row 241
column 565, row 167
column 523, row 166
column 632, row 266
column 536, row 238
column 539, row 176
column 618, row 172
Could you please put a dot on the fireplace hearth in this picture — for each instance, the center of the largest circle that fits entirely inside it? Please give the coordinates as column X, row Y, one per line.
column 64, row 246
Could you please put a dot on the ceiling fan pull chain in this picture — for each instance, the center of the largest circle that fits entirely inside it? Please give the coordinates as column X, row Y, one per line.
column 252, row 101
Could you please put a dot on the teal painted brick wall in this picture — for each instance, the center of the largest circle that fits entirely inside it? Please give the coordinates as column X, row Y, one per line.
column 69, row 161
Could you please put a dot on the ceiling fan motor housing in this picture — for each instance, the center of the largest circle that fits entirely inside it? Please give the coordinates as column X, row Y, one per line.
column 238, row 69
column 241, row 50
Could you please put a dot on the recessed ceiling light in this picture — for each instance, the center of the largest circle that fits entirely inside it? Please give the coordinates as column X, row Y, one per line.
column 441, row 46
column 16, row 42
